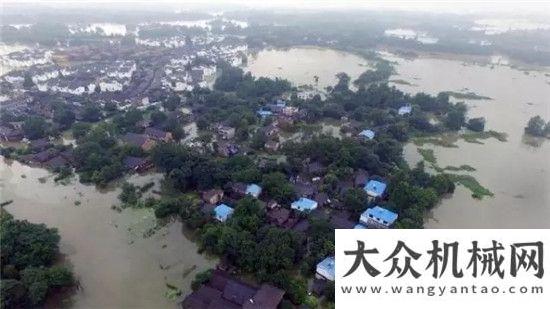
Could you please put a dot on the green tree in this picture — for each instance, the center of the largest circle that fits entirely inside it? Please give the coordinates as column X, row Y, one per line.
column 129, row 194
column 278, row 187
column 172, row 102
column 476, row 124
column 355, row 199
column 35, row 127
column 27, row 81
column 63, row 116
column 456, row 117
column 27, row 251
column 158, row 118
column 26, row 244
column 91, row 113
column 536, row 126
column 80, row 129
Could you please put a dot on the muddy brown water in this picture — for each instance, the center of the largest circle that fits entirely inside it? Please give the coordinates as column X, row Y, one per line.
column 517, row 172
column 117, row 263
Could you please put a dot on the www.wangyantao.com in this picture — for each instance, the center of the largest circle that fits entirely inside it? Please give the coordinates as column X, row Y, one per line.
column 441, row 290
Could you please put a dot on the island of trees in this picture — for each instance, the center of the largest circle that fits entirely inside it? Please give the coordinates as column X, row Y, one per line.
column 29, row 253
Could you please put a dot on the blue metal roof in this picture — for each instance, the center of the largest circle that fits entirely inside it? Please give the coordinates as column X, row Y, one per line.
column 281, row 103
column 304, row 204
column 382, row 214
column 264, row 113
column 367, row 133
column 254, row 190
column 405, row 109
column 222, row 212
column 326, row 268
column 375, row 188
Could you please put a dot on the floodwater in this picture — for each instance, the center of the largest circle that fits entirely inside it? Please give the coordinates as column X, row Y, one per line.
column 122, row 259
column 301, row 64
column 516, row 171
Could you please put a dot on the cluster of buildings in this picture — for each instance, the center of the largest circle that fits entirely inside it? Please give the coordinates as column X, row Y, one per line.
column 311, row 201
column 226, row 292
column 26, row 58
column 282, row 116
column 370, row 134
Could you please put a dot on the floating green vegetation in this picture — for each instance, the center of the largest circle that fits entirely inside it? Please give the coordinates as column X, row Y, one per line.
column 444, row 140
column 475, row 137
column 466, row 95
column 478, row 191
column 173, row 292
column 428, row 155
column 6, row 203
column 463, row 167
column 402, row 82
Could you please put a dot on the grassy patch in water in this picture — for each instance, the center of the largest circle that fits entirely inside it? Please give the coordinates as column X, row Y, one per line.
column 478, row 191
column 466, row 95
column 463, row 167
column 402, row 82
column 446, row 140
column 476, row 137
column 173, row 292
column 468, row 181
column 428, row 155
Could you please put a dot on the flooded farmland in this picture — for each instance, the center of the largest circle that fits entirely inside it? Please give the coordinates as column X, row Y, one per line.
column 516, row 171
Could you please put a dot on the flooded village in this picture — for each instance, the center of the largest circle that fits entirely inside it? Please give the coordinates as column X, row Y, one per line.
column 205, row 161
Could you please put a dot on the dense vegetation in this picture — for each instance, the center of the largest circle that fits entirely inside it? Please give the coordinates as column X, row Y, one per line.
column 537, row 127
column 28, row 254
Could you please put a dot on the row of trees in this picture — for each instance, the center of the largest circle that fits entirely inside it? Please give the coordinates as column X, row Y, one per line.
column 247, row 86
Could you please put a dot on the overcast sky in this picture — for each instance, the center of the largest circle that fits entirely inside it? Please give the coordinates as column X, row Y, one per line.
column 436, row 6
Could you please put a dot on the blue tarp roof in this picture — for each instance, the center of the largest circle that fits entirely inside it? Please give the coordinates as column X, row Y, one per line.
column 327, row 268
column 254, row 190
column 382, row 214
column 375, row 188
column 222, row 212
column 367, row 133
column 304, row 204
